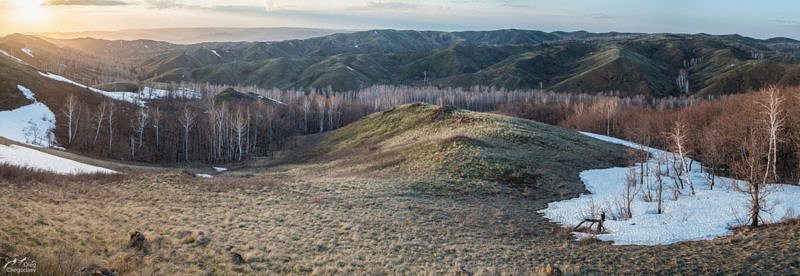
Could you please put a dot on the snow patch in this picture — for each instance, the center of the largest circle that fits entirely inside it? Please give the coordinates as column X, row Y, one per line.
column 28, row 51
column 218, row 169
column 150, row 93
column 27, row 92
column 707, row 215
column 350, row 68
column 34, row 159
column 204, row 175
column 11, row 57
column 215, row 52
column 120, row 96
column 31, row 124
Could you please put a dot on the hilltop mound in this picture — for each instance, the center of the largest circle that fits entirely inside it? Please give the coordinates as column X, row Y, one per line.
column 231, row 94
column 445, row 148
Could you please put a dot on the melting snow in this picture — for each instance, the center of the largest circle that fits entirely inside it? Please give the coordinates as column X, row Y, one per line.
column 10, row 56
column 218, row 169
column 34, row 159
column 30, row 124
column 203, row 175
column 27, row 92
column 705, row 216
column 28, row 51
column 121, row 96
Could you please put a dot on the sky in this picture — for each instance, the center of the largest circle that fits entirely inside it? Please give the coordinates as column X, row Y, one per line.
column 760, row 19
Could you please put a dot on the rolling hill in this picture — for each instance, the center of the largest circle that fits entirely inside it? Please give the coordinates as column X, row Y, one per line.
column 199, row 35
column 624, row 63
column 645, row 64
column 443, row 149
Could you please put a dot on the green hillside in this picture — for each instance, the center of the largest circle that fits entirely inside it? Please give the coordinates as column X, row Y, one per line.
column 512, row 59
column 444, row 149
column 627, row 63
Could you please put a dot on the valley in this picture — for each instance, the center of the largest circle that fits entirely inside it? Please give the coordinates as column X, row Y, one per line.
column 374, row 151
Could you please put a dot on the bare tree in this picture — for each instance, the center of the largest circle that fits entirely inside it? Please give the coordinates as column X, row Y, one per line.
column 678, row 143
column 156, row 115
column 610, row 107
column 321, row 110
column 333, row 106
column 757, row 158
column 630, row 191
column 659, row 183
column 712, row 156
column 110, row 119
column 306, row 109
column 140, row 123
column 771, row 103
column 70, row 105
column 98, row 120
column 240, row 121
column 187, row 120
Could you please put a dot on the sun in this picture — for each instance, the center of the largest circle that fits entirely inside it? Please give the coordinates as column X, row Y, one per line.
column 26, row 11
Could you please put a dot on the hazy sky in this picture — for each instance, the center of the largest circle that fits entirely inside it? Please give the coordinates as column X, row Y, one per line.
column 763, row 18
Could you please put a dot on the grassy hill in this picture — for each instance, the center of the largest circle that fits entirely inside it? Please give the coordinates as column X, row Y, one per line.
column 628, row 63
column 444, row 149
column 645, row 64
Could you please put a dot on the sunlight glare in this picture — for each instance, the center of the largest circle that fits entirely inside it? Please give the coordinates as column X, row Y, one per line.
column 26, row 11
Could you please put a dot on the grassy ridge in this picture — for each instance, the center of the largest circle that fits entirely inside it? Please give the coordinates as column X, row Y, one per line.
column 470, row 150
column 512, row 59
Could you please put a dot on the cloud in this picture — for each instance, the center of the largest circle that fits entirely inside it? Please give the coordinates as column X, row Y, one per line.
column 164, row 4
column 84, row 2
column 791, row 23
column 270, row 5
column 386, row 6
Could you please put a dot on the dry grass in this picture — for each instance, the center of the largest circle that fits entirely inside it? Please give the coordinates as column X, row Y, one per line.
column 335, row 226
column 322, row 218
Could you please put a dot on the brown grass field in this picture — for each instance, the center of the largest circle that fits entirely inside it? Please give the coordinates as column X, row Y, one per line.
column 333, row 214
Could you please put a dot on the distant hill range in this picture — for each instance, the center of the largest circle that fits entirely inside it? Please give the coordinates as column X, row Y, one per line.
column 199, row 35
column 624, row 63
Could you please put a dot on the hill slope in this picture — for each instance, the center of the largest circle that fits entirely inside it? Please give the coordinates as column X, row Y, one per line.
column 445, row 149
column 646, row 64
column 626, row 63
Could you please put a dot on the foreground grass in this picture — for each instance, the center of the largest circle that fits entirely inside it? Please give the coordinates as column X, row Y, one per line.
column 461, row 199
column 335, row 225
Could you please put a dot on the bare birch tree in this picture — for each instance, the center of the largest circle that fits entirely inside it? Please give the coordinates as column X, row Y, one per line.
column 156, row 115
column 70, row 105
column 186, row 119
column 98, row 120
column 140, row 123
column 757, row 158
column 110, row 119
column 321, row 110
column 240, row 122
column 306, row 109
column 678, row 140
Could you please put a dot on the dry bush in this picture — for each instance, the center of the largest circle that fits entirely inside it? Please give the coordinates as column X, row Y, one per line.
column 21, row 175
column 588, row 239
column 557, row 269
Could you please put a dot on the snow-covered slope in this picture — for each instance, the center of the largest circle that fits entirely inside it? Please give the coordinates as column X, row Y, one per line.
column 131, row 97
column 705, row 216
column 30, row 124
column 30, row 158
column 121, row 96
column 11, row 57
column 28, row 51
